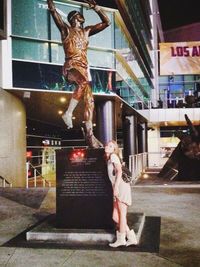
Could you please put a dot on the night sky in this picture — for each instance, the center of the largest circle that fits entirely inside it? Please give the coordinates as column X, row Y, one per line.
column 174, row 13
column 178, row 13
column 105, row 3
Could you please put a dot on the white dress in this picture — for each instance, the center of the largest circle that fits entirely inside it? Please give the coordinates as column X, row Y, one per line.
column 124, row 188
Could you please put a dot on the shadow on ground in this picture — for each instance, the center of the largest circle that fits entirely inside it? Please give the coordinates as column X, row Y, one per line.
column 31, row 197
column 150, row 239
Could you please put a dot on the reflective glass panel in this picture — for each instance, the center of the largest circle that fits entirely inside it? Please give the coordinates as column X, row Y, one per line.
column 104, row 38
column 57, row 53
column 101, row 59
column 30, row 18
column 30, row 50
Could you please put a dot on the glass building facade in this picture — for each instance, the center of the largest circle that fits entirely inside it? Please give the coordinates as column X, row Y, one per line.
column 37, row 53
column 179, row 90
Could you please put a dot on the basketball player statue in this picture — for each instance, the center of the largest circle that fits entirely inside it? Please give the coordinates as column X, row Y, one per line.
column 75, row 43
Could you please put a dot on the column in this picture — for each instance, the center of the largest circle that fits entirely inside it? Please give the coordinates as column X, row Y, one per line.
column 12, row 139
column 130, row 137
column 105, row 121
column 144, row 137
column 154, row 157
column 140, row 137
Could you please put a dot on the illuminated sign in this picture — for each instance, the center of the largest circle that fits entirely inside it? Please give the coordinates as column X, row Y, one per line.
column 29, row 154
column 77, row 155
column 180, row 58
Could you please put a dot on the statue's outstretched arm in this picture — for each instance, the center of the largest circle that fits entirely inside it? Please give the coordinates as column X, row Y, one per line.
column 57, row 18
column 192, row 128
column 93, row 29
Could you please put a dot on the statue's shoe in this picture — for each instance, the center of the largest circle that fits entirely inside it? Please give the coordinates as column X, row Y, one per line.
column 92, row 141
column 67, row 117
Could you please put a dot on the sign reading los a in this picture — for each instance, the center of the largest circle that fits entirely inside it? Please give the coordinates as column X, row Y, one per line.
column 185, row 51
column 180, row 58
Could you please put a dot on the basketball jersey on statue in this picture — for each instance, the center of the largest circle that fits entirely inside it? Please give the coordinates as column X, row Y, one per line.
column 75, row 47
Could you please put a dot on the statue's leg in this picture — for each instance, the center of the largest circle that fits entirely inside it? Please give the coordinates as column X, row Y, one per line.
column 73, row 76
column 88, row 116
column 82, row 90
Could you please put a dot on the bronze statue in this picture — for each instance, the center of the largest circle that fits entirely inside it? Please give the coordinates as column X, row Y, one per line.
column 75, row 70
column 185, row 158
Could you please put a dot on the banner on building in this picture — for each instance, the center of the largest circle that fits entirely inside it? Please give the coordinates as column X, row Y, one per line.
column 180, row 58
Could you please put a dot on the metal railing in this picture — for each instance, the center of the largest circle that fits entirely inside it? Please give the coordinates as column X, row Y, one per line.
column 46, row 171
column 42, row 165
column 139, row 163
column 37, row 175
column 5, row 182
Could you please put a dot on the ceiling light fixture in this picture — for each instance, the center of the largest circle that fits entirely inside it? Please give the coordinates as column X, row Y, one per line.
column 63, row 99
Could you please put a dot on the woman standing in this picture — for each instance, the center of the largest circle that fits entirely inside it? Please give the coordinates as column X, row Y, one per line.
column 122, row 197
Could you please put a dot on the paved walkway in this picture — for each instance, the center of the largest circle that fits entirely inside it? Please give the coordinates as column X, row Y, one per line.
column 179, row 236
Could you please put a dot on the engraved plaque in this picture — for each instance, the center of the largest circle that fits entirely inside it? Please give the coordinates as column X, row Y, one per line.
column 84, row 198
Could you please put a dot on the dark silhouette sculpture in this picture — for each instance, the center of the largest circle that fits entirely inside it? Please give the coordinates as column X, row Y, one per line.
column 75, row 39
column 186, row 156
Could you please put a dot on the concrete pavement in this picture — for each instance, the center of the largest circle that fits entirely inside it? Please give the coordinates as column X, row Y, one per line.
column 179, row 236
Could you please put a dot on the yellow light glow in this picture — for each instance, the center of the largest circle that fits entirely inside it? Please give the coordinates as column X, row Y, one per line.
column 63, row 99
column 60, row 112
column 145, row 176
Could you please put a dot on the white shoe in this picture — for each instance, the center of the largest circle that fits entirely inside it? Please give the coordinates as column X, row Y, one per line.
column 131, row 238
column 67, row 117
column 121, row 240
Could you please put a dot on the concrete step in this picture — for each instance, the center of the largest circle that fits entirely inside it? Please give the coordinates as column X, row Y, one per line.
column 47, row 232
column 150, row 172
column 153, row 169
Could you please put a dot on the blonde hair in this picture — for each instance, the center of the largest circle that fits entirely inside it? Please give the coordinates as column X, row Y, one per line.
column 116, row 148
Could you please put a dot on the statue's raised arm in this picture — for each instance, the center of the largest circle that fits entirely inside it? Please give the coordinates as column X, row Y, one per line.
column 62, row 26
column 93, row 29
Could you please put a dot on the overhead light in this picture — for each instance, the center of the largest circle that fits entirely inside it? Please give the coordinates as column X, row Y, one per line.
column 60, row 112
column 145, row 176
column 63, row 99
column 27, row 94
column 46, row 142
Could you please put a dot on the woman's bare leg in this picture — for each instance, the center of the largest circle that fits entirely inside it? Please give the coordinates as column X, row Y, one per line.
column 115, row 215
column 122, row 217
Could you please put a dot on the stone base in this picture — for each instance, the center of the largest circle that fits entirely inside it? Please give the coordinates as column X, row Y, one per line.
column 47, row 232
